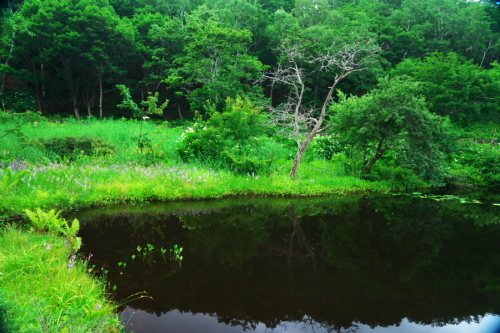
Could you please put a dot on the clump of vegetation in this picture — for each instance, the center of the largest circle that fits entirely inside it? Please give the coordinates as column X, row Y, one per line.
column 476, row 164
column 234, row 139
column 44, row 287
column 73, row 146
column 51, row 222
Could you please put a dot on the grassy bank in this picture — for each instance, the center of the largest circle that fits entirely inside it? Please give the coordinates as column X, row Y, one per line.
column 67, row 164
column 69, row 186
column 45, row 289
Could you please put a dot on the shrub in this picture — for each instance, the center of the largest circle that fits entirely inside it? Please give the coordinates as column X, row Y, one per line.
column 476, row 163
column 325, row 146
column 228, row 139
column 400, row 177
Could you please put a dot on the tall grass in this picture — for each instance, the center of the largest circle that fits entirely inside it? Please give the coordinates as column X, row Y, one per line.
column 69, row 186
column 123, row 134
column 145, row 165
column 45, row 290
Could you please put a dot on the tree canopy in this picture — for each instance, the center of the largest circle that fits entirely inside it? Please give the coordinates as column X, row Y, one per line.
column 70, row 54
column 392, row 121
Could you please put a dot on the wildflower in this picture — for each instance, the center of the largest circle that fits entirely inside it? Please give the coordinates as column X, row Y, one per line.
column 71, row 262
column 98, row 306
column 47, row 246
column 17, row 165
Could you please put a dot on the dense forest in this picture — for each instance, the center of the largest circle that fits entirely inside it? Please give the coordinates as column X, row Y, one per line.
column 68, row 56
column 415, row 83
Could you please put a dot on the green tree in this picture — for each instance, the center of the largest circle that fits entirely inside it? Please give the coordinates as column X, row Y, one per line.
column 243, row 15
column 420, row 27
column 163, row 43
column 11, row 23
column 393, row 117
column 215, row 63
column 160, row 41
column 461, row 90
column 73, row 42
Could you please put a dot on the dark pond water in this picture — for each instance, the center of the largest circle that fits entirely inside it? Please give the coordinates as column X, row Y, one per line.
column 354, row 264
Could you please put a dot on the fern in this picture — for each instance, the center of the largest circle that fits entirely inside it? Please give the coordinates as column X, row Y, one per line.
column 10, row 180
column 51, row 222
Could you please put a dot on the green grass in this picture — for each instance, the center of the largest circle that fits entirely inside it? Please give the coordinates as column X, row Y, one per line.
column 44, row 289
column 155, row 172
column 123, row 134
column 67, row 187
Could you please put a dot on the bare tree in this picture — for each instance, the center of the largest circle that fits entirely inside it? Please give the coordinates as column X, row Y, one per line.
column 341, row 59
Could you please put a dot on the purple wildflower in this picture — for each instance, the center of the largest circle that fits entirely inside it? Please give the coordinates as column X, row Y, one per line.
column 17, row 165
column 71, row 262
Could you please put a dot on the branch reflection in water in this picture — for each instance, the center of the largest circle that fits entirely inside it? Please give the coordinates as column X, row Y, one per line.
column 351, row 264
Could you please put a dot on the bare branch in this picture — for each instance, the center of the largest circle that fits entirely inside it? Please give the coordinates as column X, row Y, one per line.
column 299, row 122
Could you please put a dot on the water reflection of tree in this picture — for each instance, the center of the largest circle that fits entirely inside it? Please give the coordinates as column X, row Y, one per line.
column 299, row 232
column 385, row 260
column 415, row 250
column 310, row 324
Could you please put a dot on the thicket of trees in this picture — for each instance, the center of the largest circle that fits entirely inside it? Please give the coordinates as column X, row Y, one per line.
column 292, row 60
column 67, row 56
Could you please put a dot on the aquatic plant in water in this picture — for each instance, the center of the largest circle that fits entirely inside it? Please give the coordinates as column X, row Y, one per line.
column 175, row 254
column 438, row 197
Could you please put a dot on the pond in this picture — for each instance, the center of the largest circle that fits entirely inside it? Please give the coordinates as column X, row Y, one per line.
column 405, row 263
